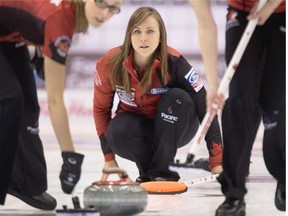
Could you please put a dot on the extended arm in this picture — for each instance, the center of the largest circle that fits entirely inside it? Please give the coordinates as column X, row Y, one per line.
column 207, row 30
column 102, row 111
column 55, row 85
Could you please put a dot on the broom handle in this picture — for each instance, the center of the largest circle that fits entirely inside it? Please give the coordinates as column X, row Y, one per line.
column 200, row 180
column 208, row 118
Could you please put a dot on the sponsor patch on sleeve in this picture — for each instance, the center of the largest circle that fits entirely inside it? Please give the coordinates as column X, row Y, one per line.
column 60, row 47
column 194, row 79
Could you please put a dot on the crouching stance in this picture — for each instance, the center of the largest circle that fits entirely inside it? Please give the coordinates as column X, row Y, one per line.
column 162, row 100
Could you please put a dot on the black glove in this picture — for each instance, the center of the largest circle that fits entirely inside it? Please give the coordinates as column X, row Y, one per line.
column 71, row 170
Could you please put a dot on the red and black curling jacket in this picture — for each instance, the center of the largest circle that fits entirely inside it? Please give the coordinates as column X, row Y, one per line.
column 247, row 5
column 48, row 23
column 180, row 75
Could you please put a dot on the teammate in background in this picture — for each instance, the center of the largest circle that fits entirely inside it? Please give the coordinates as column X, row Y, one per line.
column 162, row 97
column 256, row 91
column 50, row 24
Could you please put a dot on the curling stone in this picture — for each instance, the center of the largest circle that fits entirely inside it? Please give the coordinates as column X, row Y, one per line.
column 122, row 197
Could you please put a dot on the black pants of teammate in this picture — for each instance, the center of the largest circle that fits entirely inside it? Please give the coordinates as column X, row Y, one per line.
column 256, row 91
column 152, row 143
column 19, row 112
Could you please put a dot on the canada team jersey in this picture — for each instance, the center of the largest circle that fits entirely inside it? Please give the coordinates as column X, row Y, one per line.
column 180, row 75
column 49, row 23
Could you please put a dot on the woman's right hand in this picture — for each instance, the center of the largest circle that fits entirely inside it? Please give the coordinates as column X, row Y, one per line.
column 213, row 96
column 110, row 164
column 107, row 165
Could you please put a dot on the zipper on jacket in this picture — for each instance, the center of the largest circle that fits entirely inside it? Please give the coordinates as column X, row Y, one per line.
column 141, row 99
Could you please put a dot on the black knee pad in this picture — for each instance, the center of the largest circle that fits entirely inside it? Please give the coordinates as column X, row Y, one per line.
column 178, row 108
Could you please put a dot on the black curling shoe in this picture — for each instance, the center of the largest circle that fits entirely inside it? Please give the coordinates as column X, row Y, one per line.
column 142, row 179
column 231, row 207
column 280, row 197
column 43, row 201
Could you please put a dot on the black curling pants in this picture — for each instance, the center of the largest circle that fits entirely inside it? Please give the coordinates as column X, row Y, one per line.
column 152, row 143
column 18, row 91
column 257, row 91
column 11, row 106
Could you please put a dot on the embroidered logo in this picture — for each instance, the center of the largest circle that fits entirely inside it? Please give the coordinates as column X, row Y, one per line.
column 169, row 117
column 159, row 90
column 62, row 45
column 170, row 111
column 33, row 129
column 72, row 161
column 194, row 80
column 126, row 98
column 270, row 122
